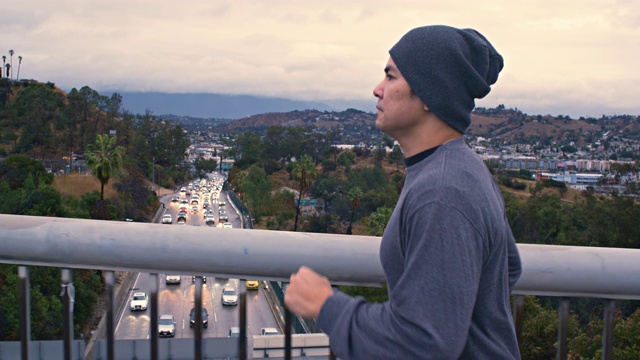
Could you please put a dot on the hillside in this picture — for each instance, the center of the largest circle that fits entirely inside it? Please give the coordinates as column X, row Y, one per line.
column 513, row 126
column 508, row 125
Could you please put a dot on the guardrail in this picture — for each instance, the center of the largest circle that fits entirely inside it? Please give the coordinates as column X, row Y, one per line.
column 563, row 271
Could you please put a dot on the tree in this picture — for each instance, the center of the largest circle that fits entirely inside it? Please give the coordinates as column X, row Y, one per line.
column 354, row 195
column 204, row 166
column 304, row 170
column 105, row 161
column 396, row 157
column 378, row 221
column 257, row 187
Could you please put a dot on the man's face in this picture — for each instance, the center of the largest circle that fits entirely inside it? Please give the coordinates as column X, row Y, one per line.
column 399, row 111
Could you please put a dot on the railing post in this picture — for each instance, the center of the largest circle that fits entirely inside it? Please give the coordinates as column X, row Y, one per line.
column 242, row 343
column 25, row 311
column 197, row 341
column 68, row 298
column 109, row 280
column 287, row 334
column 563, row 328
column 153, row 331
column 518, row 317
column 607, row 330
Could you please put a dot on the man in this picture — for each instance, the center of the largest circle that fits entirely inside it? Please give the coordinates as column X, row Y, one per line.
column 448, row 253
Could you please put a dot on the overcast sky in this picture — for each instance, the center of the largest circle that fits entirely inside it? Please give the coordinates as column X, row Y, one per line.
column 561, row 56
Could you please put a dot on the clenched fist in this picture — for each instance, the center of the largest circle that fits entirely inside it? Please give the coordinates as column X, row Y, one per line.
column 306, row 293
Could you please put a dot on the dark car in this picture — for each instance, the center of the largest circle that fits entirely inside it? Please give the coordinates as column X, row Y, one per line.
column 204, row 279
column 192, row 317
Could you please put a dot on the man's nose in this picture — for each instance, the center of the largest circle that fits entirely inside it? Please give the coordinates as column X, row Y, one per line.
column 377, row 91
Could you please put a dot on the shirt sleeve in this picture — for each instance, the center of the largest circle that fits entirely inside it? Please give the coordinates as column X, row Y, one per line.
column 431, row 303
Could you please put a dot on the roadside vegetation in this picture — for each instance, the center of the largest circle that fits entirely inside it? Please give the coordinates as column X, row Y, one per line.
column 43, row 134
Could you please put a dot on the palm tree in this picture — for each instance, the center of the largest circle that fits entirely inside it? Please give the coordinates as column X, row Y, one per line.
column 11, row 54
column 354, row 195
column 105, row 161
column 305, row 172
column 378, row 221
column 19, row 62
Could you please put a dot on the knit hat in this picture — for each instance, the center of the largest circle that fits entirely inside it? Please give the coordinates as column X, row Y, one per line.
column 447, row 68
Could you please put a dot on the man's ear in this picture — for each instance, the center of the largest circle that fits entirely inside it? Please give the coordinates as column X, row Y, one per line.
column 426, row 108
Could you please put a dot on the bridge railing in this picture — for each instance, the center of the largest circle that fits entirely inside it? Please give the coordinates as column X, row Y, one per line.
column 561, row 271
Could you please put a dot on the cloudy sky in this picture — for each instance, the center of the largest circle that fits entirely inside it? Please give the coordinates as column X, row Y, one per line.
column 561, row 56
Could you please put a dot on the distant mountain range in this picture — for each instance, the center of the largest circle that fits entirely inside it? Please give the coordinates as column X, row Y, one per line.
column 203, row 105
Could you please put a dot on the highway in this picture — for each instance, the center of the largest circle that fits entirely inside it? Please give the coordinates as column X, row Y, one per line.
column 178, row 299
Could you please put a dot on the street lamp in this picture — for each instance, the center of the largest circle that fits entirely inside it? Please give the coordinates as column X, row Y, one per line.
column 153, row 174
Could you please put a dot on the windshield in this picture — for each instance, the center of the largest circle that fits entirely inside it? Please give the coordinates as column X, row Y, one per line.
column 138, row 297
column 229, row 292
column 165, row 322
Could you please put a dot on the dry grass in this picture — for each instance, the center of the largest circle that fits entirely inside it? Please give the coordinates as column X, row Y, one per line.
column 568, row 197
column 78, row 184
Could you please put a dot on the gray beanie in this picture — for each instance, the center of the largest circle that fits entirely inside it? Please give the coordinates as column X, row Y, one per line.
column 447, row 68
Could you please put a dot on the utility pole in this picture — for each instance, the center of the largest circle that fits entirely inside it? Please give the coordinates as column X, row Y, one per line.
column 153, row 174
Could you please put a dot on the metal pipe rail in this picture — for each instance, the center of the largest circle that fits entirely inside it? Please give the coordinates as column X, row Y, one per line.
column 548, row 270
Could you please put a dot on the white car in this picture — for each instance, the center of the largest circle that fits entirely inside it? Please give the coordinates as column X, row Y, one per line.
column 172, row 279
column 229, row 295
column 269, row 331
column 167, row 219
column 166, row 326
column 227, row 225
column 139, row 301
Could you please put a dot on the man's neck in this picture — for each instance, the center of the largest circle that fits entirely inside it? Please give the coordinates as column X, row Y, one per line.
column 434, row 133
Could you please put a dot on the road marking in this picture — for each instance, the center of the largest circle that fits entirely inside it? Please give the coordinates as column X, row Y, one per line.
column 123, row 310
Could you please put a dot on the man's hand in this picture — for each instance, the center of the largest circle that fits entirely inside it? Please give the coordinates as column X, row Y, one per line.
column 306, row 293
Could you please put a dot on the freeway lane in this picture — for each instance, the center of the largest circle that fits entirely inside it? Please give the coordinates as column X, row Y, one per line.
column 178, row 299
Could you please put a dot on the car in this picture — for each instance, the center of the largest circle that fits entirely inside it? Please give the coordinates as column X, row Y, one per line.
column 194, row 200
column 183, row 209
column 172, row 279
column 184, row 201
column 167, row 219
column 204, row 279
column 194, row 209
column 205, row 204
column 221, row 203
column 221, row 211
column 229, row 295
column 227, row 225
column 182, row 217
column 223, row 218
column 175, row 198
column 210, row 220
column 166, row 326
column 234, row 331
column 139, row 301
column 269, row 331
column 252, row 284
column 192, row 317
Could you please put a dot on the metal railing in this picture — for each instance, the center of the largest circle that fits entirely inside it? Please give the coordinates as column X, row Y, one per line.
column 561, row 271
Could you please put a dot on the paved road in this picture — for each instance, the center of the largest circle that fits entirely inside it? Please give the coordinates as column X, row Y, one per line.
column 178, row 299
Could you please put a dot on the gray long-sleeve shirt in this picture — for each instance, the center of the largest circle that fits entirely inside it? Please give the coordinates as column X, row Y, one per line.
column 450, row 261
